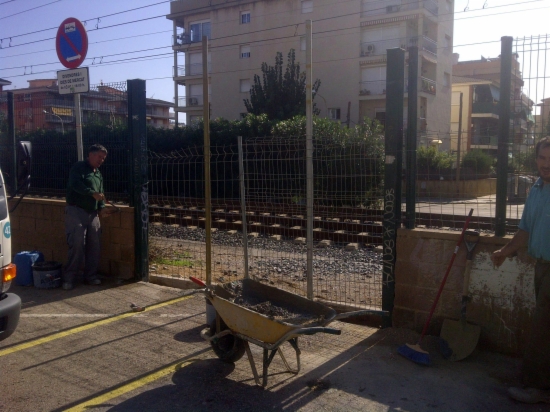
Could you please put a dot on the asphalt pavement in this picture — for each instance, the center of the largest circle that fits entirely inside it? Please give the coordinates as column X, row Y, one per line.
column 87, row 349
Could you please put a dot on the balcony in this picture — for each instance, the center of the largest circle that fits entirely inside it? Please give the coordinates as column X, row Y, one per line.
column 190, row 70
column 59, row 103
column 427, row 86
column 58, row 119
column 484, row 140
column 376, row 88
column 191, row 101
column 379, row 8
column 485, row 108
column 379, row 48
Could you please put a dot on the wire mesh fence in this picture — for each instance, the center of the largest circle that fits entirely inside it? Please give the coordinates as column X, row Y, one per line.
column 459, row 171
column 348, row 196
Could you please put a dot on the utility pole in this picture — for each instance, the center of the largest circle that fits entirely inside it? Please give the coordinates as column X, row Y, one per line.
column 458, row 145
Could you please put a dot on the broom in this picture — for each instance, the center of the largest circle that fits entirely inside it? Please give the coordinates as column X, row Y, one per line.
column 414, row 352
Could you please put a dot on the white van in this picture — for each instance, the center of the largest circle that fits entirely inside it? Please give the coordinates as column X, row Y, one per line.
column 10, row 304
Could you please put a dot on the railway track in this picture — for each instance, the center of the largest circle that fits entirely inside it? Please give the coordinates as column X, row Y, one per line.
column 337, row 224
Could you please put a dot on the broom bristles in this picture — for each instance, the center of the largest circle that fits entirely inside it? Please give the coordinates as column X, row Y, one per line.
column 414, row 353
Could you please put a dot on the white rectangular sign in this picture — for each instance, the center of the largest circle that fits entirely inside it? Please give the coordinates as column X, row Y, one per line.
column 73, row 81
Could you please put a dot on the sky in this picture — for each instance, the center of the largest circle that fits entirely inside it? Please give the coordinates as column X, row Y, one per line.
column 131, row 39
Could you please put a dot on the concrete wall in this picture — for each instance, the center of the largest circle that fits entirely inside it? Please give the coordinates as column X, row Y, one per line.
column 450, row 188
column 503, row 299
column 38, row 224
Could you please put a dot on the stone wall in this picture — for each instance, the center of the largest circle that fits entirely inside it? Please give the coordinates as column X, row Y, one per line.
column 503, row 299
column 38, row 224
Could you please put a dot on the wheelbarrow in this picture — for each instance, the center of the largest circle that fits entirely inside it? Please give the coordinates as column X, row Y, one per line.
column 236, row 326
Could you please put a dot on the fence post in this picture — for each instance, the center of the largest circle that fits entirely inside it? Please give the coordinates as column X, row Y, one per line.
column 395, row 76
column 243, row 205
column 12, row 143
column 139, row 195
column 412, row 124
column 309, row 160
column 503, row 134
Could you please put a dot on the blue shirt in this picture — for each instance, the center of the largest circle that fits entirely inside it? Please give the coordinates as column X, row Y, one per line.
column 536, row 220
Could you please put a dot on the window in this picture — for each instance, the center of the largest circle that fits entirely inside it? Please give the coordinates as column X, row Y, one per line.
column 198, row 30
column 245, row 85
column 307, row 6
column 27, row 97
column 334, row 114
column 245, row 17
column 302, row 43
column 245, row 52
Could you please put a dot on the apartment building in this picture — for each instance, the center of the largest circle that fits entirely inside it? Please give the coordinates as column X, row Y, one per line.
column 40, row 106
column 479, row 82
column 350, row 39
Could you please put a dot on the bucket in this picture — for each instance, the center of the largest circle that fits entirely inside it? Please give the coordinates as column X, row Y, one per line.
column 47, row 275
column 24, row 261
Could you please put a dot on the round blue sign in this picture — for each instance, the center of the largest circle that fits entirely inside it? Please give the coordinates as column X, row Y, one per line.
column 71, row 43
column 7, row 230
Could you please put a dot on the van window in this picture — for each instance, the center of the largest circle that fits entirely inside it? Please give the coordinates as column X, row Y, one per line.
column 3, row 201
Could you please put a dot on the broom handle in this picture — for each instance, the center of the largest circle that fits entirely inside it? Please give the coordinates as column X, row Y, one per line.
column 446, row 275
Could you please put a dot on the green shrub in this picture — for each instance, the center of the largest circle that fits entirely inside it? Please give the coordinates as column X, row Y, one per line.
column 478, row 162
column 431, row 163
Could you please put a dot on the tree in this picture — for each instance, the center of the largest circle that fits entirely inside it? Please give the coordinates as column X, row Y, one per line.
column 280, row 96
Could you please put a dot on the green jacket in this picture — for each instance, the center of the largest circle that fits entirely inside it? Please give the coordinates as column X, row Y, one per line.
column 83, row 183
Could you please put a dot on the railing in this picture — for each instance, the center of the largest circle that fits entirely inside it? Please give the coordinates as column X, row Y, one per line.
column 190, row 70
column 431, row 6
column 485, row 107
column 483, row 140
column 377, row 8
column 190, row 101
column 58, row 119
column 376, row 88
column 184, row 38
column 427, row 85
column 379, row 48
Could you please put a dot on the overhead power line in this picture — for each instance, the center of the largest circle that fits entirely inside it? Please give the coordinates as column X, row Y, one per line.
column 25, row 11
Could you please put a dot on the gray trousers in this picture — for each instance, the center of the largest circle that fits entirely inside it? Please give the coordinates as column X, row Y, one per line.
column 83, row 231
column 536, row 360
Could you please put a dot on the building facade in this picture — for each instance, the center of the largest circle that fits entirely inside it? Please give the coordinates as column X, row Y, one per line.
column 349, row 46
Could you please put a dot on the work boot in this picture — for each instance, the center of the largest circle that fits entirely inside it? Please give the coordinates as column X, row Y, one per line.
column 529, row 395
column 67, row 286
column 94, row 282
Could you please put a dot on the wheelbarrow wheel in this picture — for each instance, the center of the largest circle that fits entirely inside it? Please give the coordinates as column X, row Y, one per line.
column 228, row 348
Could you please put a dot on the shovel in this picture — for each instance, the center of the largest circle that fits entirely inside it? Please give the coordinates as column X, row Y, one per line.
column 458, row 337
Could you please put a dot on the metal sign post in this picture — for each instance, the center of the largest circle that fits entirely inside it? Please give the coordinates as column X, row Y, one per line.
column 71, row 44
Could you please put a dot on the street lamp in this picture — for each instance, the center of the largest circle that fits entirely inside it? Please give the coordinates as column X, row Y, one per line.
column 62, row 127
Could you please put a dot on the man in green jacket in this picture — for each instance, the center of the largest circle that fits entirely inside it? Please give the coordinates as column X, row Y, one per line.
column 85, row 204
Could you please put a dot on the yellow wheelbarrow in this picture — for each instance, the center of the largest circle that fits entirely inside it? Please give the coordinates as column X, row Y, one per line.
column 236, row 326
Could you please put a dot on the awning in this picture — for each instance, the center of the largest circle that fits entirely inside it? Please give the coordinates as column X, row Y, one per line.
column 495, row 91
column 62, row 111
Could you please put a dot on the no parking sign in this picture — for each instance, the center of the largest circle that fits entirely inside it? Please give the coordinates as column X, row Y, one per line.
column 71, row 43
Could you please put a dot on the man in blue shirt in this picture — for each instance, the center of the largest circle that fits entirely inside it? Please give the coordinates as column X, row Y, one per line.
column 534, row 232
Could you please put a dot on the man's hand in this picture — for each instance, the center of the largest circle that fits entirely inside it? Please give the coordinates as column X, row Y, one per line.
column 99, row 196
column 498, row 257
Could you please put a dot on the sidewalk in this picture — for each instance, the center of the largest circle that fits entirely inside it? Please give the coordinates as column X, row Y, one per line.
column 93, row 349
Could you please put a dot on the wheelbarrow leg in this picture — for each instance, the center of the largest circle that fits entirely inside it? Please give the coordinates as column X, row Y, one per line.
column 294, row 343
column 252, row 363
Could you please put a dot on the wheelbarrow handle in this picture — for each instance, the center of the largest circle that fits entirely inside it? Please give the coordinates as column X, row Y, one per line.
column 318, row 329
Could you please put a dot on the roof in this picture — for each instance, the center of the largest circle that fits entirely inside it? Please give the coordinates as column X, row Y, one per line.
column 160, row 102
column 4, row 82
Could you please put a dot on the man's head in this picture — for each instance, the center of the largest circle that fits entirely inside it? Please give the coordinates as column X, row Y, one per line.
column 542, row 157
column 96, row 155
